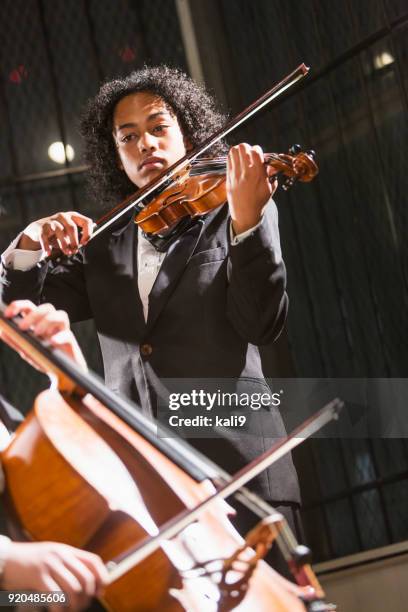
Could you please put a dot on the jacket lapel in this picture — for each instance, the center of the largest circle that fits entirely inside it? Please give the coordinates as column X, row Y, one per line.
column 124, row 249
column 171, row 269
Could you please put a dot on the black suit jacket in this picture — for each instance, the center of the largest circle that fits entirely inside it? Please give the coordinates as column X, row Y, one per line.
column 210, row 306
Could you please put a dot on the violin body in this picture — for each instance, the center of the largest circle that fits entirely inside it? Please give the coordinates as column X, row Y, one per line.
column 187, row 197
column 77, row 474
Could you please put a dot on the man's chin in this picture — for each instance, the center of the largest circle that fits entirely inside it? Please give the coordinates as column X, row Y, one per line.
column 149, row 174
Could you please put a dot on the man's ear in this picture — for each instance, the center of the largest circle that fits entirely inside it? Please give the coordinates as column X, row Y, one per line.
column 188, row 145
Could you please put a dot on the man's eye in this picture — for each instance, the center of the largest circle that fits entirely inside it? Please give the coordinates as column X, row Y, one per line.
column 159, row 128
column 128, row 138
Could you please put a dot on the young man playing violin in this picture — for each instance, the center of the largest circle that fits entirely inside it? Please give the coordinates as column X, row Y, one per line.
column 198, row 311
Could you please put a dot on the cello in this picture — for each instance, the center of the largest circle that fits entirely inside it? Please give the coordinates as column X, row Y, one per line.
column 85, row 468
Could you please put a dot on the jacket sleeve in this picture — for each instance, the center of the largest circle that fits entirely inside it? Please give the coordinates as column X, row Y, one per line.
column 257, row 302
column 62, row 285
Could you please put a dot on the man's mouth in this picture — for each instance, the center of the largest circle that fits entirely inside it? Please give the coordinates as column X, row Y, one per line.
column 151, row 162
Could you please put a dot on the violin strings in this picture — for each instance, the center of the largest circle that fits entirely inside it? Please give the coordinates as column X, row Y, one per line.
column 218, row 165
column 223, row 158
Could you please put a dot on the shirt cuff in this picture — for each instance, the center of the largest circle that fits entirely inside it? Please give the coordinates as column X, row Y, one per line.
column 20, row 259
column 236, row 239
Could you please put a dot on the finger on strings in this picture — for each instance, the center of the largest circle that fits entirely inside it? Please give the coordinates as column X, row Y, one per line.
column 33, row 317
column 19, row 307
column 258, row 154
column 51, row 323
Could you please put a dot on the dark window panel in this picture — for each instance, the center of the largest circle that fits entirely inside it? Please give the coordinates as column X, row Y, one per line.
column 371, row 192
column 28, row 86
column 343, row 229
column 11, row 218
column 332, row 477
column 304, row 462
column 161, row 32
column 7, row 153
column 396, row 497
column 310, row 218
column 334, row 23
column 43, row 198
column 371, row 523
column 118, row 35
column 261, row 28
column 73, row 64
column 389, row 105
column 343, row 532
column 359, row 462
column 316, row 536
column 395, row 8
column 391, row 456
column 366, row 18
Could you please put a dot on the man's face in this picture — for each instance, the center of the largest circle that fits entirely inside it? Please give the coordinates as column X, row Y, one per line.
column 147, row 135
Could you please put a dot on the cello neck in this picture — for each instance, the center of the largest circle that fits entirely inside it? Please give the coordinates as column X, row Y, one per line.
column 73, row 380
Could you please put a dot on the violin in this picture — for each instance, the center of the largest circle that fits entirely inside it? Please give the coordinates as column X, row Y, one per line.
column 87, row 469
column 201, row 187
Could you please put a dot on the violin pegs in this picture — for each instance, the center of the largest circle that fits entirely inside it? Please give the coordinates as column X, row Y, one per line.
column 311, row 153
column 289, row 183
column 276, row 177
column 295, row 149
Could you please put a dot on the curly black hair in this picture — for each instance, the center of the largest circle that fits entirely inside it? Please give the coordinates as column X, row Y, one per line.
column 194, row 108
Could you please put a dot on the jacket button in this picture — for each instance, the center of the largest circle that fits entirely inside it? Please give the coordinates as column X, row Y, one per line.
column 146, row 350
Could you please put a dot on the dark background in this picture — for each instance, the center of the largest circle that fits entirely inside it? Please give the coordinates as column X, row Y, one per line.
column 342, row 235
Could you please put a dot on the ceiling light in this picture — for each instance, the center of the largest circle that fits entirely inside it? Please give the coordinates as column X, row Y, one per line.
column 58, row 155
column 383, row 59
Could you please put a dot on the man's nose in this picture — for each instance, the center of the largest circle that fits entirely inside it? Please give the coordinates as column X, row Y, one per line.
column 147, row 142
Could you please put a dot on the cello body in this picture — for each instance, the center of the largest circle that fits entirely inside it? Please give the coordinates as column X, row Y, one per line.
column 77, row 474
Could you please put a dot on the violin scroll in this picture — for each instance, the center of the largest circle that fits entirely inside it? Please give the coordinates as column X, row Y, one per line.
column 296, row 165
